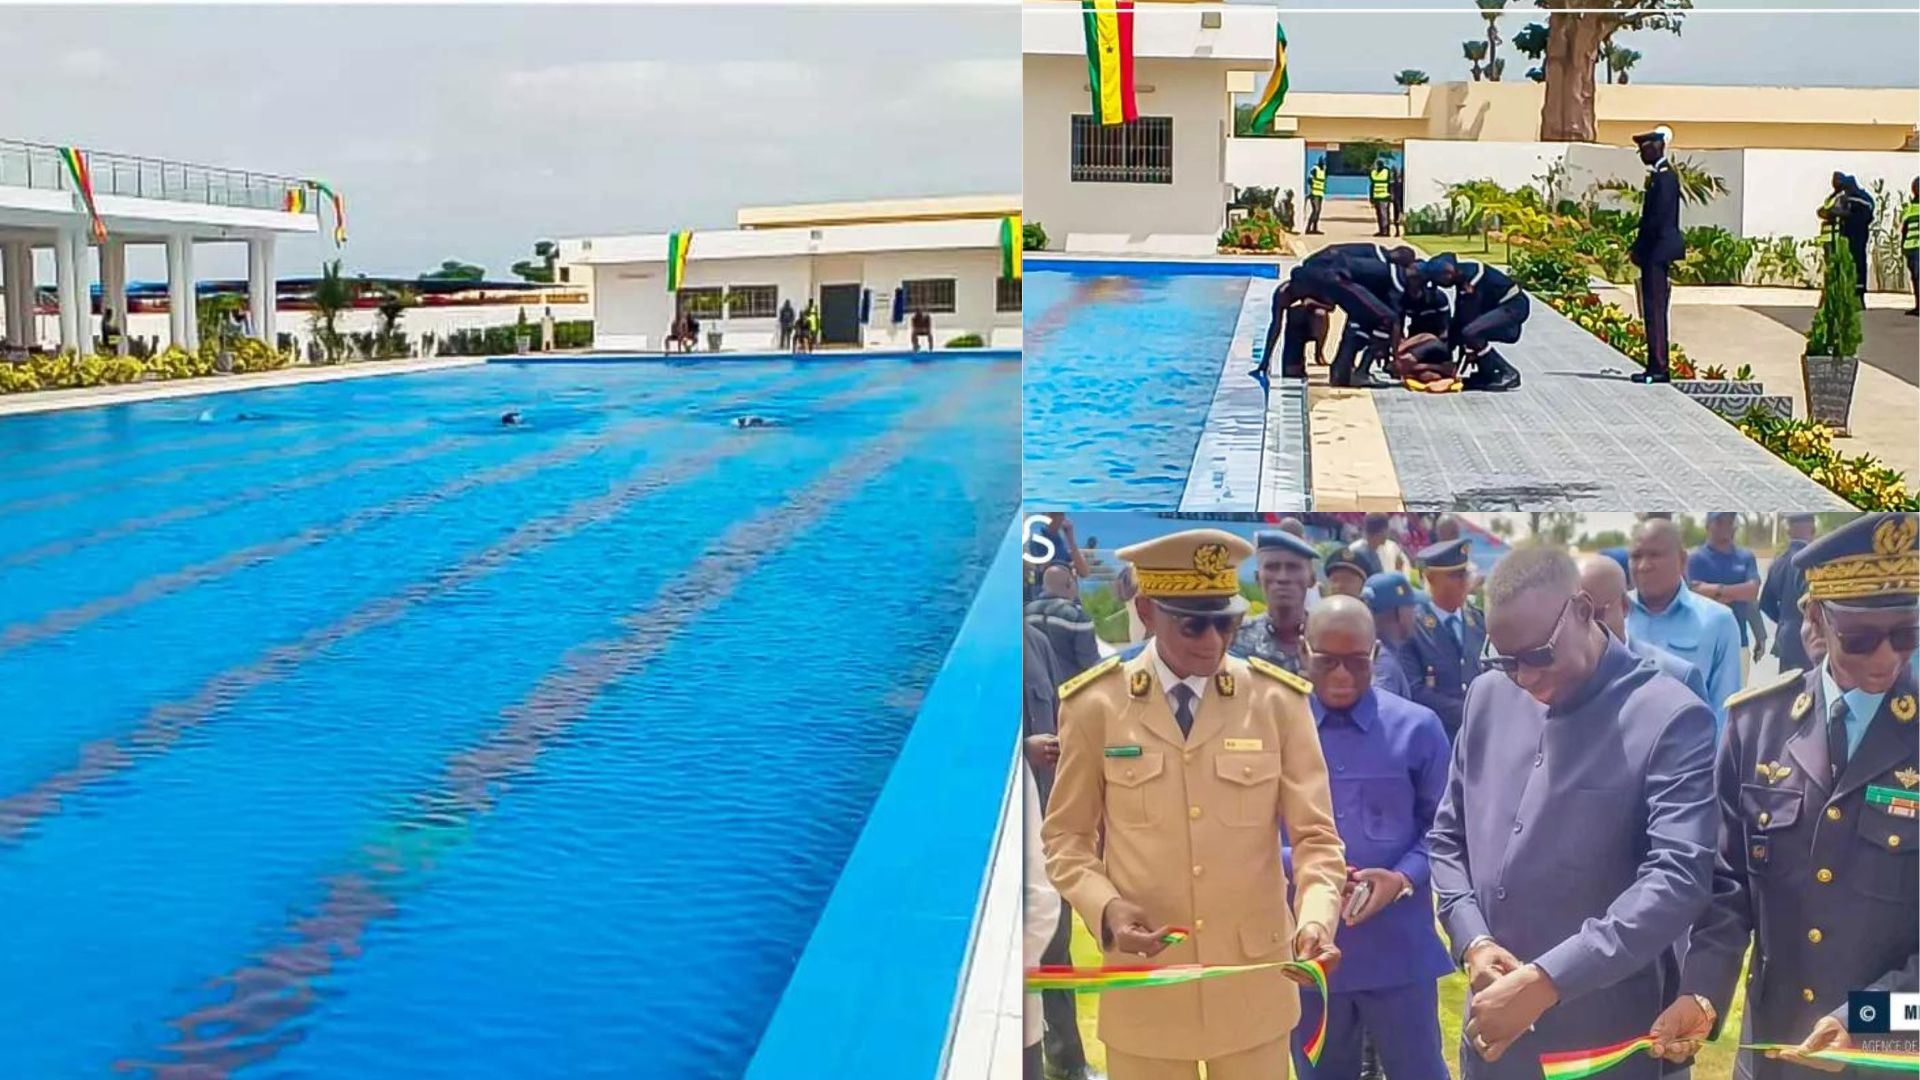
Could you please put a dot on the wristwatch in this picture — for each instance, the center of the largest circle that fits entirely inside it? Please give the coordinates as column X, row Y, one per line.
column 1706, row 1007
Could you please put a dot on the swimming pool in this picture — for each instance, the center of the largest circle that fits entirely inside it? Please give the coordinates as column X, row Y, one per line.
column 366, row 730
column 1121, row 365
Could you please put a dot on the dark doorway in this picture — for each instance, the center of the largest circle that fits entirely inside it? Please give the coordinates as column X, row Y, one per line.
column 840, row 314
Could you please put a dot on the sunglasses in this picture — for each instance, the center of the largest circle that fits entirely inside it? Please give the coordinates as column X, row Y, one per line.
column 1537, row 657
column 1193, row 626
column 1360, row 666
column 1867, row 642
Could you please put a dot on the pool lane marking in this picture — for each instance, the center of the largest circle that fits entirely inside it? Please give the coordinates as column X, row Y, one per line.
column 273, row 990
column 164, row 723
column 63, row 620
column 266, row 456
column 203, row 442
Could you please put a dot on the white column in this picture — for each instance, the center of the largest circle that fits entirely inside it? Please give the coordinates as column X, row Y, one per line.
column 182, row 318
column 16, row 263
column 66, row 275
column 260, row 288
column 113, row 285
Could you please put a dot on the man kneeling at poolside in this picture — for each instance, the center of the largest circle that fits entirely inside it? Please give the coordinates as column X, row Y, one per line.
column 1365, row 281
column 1488, row 308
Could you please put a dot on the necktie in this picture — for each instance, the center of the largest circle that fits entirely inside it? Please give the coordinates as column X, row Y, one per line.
column 1453, row 627
column 1183, row 708
column 1837, row 737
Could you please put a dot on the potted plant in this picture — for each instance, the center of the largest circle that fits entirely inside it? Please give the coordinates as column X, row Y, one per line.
column 522, row 334
column 1833, row 345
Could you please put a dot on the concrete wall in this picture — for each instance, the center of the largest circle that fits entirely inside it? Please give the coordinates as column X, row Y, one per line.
column 1432, row 165
column 1280, row 163
column 632, row 308
column 1784, row 187
column 1184, row 216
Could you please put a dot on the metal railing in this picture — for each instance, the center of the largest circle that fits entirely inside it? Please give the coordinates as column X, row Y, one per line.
column 35, row 165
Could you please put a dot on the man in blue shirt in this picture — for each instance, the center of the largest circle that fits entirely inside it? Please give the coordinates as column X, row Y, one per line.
column 1727, row 573
column 1391, row 599
column 1666, row 613
column 1606, row 585
column 1387, row 765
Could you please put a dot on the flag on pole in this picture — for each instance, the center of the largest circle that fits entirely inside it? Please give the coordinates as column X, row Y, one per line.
column 83, row 183
column 339, row 210
column 1010, row 246
column 677, row 245
column 1276, row 91
column 296, row 201
column 1109, row 31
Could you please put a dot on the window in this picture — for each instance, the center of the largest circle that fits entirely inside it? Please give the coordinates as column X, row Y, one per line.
column 753, row 301
column 1006, row 294
column 932, row 295
column 702, row 303
column 1136, row 153
column 566, row 275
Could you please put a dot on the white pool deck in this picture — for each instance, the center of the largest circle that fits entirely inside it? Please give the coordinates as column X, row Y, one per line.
column 44, row 401
column 988, row 1025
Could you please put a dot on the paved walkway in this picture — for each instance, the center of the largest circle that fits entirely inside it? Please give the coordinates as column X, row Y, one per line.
column 41, row 401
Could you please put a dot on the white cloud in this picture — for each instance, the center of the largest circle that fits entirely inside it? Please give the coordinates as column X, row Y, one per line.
column 84, row 62
column 988, row 79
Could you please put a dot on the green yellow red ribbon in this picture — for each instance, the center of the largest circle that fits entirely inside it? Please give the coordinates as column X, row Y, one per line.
column 339, row 209
column 1579, row 1064
column 1097, row 980
column 76, row 162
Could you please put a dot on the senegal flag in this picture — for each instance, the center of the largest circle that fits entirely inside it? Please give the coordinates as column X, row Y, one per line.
column 1010, row 246
column 1109, row 30
column 76, row 162
column 677, row 245
column 1276, row 91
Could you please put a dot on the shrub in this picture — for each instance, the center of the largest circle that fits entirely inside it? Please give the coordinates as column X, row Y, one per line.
column 1258, row 231
column 1714, row 257
column 1427, row 221
column 1808, row 446
column 1782, row 260
column 1033, row 236
column 1549, row 270
column 966, row 341
column 1836, row 322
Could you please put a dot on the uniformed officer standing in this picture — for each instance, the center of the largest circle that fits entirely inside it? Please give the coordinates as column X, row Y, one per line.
column 1178, row 769
column 1657, row 245
column 1449, row 634
column 1781, row 593
column 1818, row 782
column 1391, row 599
column 1316, row 193
column 1285, row 574
column 1380, row 190
column 1910, row 243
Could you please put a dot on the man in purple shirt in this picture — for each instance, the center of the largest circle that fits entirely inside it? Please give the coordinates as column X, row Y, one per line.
column 1575, row 842
column 1387, row 765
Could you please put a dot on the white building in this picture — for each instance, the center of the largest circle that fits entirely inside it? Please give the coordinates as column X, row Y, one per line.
column 942, row 255
column 141, row 201
column 1158, row 185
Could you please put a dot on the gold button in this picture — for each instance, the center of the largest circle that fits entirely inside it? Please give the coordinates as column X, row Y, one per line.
column 1246, row 770
column 1823, row 876
column 1193, row 811
column 1199, row 924
column 1814, row 935
column 1765, row 817
column 1833, row 813
column 1129, row 774
column 1894, row 840
column 1806, row 995
column 1196, row 869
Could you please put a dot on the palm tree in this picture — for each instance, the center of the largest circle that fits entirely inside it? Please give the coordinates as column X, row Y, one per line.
column 1410, row 77
column 1491, row 10
column 1476, row 51
column 1620, row 60
column 332, row 295
column 394, row 302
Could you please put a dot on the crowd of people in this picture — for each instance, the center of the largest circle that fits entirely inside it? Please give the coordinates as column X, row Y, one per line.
column 1561, row 779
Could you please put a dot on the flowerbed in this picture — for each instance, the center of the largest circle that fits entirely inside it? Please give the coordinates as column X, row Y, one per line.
column 69, row 371
column 1808, row 446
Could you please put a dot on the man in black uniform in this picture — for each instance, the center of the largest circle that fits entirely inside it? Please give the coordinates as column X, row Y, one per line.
column 1364, row 280
column 1818, row 781
column 1656, row 247
column 1488, row 308
column 1780, row 595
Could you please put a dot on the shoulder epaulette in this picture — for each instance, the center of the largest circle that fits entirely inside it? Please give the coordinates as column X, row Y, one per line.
column 1068, row 688
column 1789, row 678
column 1269, row 668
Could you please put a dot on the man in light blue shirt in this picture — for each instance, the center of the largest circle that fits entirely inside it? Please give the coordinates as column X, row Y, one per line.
column 1605, row 583
column 1664, row 612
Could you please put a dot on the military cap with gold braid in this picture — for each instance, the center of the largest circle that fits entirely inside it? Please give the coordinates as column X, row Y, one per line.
column 1871, row 561
column 1195, row 572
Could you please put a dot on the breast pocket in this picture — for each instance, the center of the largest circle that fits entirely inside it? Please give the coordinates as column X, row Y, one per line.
column 1130, row 801
column 1767, row 813
column 1252, row 788
column 1386, row 808
column 1688, row 648
column 1886, row 865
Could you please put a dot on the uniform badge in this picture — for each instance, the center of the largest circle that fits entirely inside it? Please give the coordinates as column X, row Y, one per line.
column 1142, row 682
column 1223, row 682
column 1903, row 708
column 1907, row 777
column 1801, row 704
column 1245, row 744
column 1759, row 850
column 1123, row 751
column 1773, row 772
column 1429, row 621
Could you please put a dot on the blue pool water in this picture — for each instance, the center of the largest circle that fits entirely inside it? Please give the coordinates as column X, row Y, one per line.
column 1120, row 371
column 369, row 731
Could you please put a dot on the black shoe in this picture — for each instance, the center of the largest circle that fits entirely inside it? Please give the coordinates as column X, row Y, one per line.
column 1650, row 377
column 1077, row 1071
column 1913, row 311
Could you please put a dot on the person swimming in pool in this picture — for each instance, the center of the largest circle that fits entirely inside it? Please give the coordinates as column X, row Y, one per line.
column 511, row 418
column 751, row 420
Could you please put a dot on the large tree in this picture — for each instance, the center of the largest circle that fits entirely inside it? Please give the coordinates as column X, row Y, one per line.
column 1490, row 10
column 1576, row 32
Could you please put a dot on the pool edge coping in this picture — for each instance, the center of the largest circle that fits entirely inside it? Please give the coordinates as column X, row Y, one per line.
column 90, row 397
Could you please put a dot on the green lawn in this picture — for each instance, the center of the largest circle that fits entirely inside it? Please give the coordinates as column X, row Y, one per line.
column 1715, row 1063
column 1465, row 245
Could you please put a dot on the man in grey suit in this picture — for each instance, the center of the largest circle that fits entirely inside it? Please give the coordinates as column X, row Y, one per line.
column 1575, row 841
column 1657, row 245
column 1057, row 613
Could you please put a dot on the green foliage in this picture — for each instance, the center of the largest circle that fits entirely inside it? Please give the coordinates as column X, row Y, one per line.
column 1714, row 257
column 455, row 270
column 1531, row 41
column 541, row 272
column 1033, row 236
column 499, row 340
column 332, row 295
column 1808, row 446
column 1410, row 77
column 1697, row 186
column 68, row 371
column 1836, row 322
column 1258, row 231
column 966, row 341
column 1428, row 221
column 1885, row 256
column 1783, row 260
column 1548, row 271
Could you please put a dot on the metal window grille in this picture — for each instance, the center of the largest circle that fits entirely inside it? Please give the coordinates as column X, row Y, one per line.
column 753, row 301
column 1136, row 153
column 935, row 296
column 702, row 303
column 1006, row 294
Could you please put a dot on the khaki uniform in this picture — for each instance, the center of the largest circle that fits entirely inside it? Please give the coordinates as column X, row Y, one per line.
column 1192, row 835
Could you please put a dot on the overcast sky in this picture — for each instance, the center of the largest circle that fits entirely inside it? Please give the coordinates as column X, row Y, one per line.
column 473, row 131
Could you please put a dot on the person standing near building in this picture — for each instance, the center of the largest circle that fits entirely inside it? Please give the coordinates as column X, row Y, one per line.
column 1449, row 634
column 1179, row 768
column 1576, row 839
column 547, row 335
column 1725, row 572
column 1666, row 613
column 1781, row 592
column 1284, row 573
column 1657, row 245
column 786, row 325
column 1316, row 194
column 1910, row 242
column 1399, row 188
column 922, row 329
column 1816, row 782
column 1380, row 192
column 1388, row 758
column 1391, row 599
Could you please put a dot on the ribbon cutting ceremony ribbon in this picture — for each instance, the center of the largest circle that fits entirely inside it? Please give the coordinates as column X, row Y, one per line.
column 1098, row 980
column 1578, row 1064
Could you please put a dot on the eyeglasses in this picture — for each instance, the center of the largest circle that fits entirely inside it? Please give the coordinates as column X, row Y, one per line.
column 1537, row 657
column 1193, row 626
column 1866, row 642
column 1360, row 666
